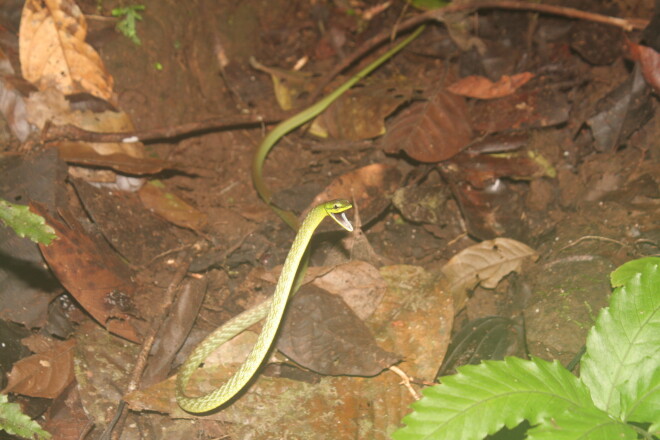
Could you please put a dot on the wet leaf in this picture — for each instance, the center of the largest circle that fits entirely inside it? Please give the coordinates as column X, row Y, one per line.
column 484, row 264
column 53, row 51
column 480, row 87
column 489, row 338
column 321, row 333
column 369, row 187
column 430, row 131
column 169, row 206
column 43, row 375
column 96, row 277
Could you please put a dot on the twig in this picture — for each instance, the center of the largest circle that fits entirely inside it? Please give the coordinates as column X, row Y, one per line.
column 140, row 364
column 52, row 133
column 592, row 237
column 406, row 381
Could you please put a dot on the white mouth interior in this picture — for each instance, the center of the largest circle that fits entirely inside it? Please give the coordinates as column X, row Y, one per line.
column 343, row 221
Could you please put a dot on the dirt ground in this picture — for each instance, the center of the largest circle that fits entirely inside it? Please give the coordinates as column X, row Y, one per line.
column 591, row 203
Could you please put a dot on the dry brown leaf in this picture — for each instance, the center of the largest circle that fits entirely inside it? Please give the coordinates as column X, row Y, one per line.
column 53, row 51
column 154, row 196
column 430, row 131
column 486, row 264
column 43, row 375
column 360, row 113
column 480, row 87
column 98, row 279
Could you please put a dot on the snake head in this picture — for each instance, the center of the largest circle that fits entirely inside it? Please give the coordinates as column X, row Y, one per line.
column 337, row 210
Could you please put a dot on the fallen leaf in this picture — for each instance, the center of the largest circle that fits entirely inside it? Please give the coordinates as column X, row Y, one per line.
column 321, row 333
column 360, row 113
column 288, row 85
column 480, row 87
column 82, row 154
column 154, row 196
column 414, row 319
column 430, row 131
column 483, row 264
column 358, row 283
column 43, row 375
column 53, row 51
column 97, row 278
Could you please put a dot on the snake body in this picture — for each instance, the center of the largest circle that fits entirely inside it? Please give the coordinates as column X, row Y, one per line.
column 305, row 116
column 273, row 310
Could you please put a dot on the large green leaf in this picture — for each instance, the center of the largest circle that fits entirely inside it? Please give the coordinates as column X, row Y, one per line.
column 481, row 399
column 624, row 344
column 640, row 397
column 582, row 424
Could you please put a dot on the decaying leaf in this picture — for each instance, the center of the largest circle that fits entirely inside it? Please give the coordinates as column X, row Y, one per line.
column 414, row 319
column 154, row 196
column 53, row 51
column 486, row 264
column 480, row 87
column 98, row 279
column 43, row 375
column 368, row 187
column 321, row 333
column 360, row 113
column 430, row 131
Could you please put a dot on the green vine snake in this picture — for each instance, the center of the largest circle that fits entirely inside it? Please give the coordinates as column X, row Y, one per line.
column 272, row 309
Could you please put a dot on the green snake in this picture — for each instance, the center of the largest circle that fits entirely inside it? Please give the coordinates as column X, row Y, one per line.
column 335, row 209
column 273, row 308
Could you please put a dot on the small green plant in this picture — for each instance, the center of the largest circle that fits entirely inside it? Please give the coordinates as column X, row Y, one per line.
column 14, row 422
column 617, row 395
column 130, row 15
column 25, row 223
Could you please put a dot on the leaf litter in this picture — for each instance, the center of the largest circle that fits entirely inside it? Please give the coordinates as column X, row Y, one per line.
column 489, row 195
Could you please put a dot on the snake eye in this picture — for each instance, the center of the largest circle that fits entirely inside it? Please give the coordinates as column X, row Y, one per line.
column 336, row 206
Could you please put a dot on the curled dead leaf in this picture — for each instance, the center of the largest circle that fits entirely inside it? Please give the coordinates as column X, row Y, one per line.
column 486, row 264
column 480, row 87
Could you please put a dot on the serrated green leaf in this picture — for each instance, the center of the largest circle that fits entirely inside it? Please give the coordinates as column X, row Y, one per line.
column 622, row 274
column 625, row 339
column 26, row 223
column 14, row 422
column 640, row 397
column 582, row 424
column 481, row 399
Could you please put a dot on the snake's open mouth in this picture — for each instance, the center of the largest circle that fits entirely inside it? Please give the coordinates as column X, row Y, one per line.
column 342, row 220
